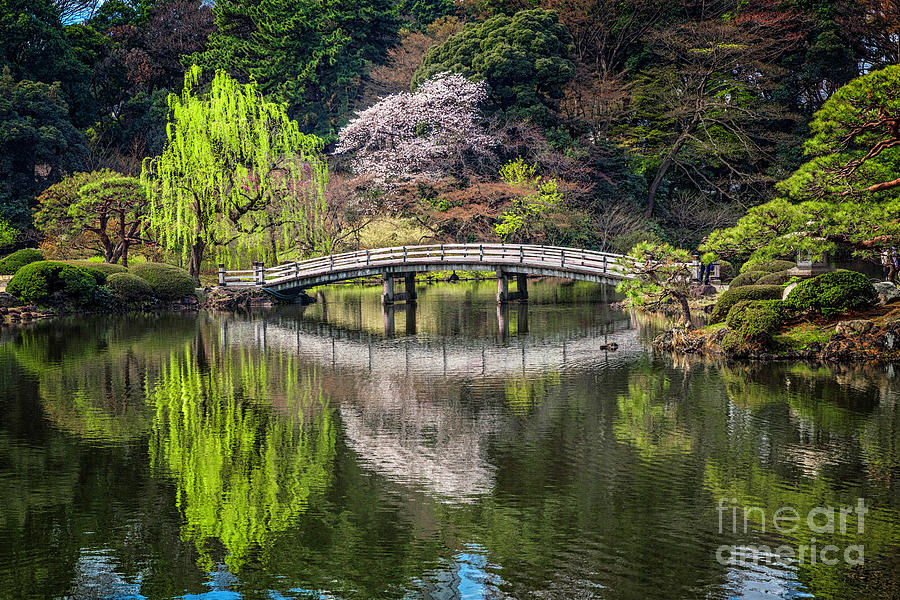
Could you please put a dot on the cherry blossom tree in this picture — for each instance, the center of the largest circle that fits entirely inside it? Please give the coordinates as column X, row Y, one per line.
column 421, row 135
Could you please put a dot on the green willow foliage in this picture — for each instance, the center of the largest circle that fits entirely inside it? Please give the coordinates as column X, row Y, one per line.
column 235, row 171
column 242, row 472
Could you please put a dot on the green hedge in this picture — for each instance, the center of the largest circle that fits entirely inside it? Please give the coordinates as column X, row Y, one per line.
column 38, row 281
column 767, row 266
column 747, row 278
column 779, row 278
column 832, row 293
column 726, row 270
column 129, row 288
column 18, row 259
column 730, row 297
column 105, row 267
column 756, row 320
column 167, row 281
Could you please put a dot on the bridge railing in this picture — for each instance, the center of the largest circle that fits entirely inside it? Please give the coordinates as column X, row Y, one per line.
column 554, row 257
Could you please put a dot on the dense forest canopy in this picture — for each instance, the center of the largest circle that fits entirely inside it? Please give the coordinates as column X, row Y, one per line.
column 656, row 120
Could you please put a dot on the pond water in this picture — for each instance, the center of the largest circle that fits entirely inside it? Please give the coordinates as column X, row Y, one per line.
column 452, row 450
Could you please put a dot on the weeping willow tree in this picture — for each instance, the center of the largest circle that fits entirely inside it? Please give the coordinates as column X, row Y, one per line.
column 236, row 174
column 243, row 472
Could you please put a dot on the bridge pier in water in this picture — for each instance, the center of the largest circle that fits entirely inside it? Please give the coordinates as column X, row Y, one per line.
column 503, row 293
column 503, row 319
column 389, row 296
column 388, row 313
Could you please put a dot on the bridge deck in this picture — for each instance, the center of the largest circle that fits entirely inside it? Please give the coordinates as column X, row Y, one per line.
column 547, row 261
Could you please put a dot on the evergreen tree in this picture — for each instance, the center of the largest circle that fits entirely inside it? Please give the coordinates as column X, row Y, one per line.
column 855, row 146
column 103, row 206
column 308, row 54
column 34, row 46
column 523, row 58
column 38, row 144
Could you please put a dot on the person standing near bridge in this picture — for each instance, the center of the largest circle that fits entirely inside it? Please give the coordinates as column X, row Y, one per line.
column 704, row 269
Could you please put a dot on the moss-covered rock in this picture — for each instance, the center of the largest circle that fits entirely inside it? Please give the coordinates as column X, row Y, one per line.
column 767, row 266
column 832, row 293
column 777, row 278
column 756, row 320
column 747, row 278
column 18, row 259
column 44, row 281
column 167, row 281
column 732, row 296
column 129, row 288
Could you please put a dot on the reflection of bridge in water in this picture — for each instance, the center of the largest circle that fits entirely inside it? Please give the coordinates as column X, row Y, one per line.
column 399, row 397
column 457, row 356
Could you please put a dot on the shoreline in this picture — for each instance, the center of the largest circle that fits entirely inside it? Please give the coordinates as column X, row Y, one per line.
column 862, row 336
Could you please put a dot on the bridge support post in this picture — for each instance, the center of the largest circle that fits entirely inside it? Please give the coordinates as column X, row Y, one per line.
column 522, row 315
column 522, row 286
column 409, row 286
column 411, row 318
column 387, row 313
column 503, row 293
column 387, row 296
column 502, row 287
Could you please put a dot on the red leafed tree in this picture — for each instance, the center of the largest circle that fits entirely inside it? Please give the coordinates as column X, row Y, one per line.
column 151, row 55
column 876, row 24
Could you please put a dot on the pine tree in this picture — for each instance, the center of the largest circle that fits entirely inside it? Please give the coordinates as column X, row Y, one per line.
column 311, row 55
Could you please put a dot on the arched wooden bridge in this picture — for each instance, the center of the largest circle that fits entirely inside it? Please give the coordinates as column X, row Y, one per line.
column 520, row 260
column 405, row 261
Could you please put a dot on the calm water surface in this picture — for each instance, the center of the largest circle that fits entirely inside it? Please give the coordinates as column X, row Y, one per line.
column 451, row 451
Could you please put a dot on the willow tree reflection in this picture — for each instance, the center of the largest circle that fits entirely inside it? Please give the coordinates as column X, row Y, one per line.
column 243, row 470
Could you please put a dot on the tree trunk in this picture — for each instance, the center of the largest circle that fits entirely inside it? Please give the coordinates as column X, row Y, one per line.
column 274, row 243
column 686, row 312
column 196, row 260
column 654, row 187
column 667, row 162
column 109, row 251
column 125, row 254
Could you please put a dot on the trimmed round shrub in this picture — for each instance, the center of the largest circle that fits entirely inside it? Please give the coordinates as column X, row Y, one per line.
column 105, row 267
column 747, row 278
column 38, row 281
column 767, row 266
column 18, row 259
column 832, row 293
column 129, row 288
column 732, row 296
column 167, row 281
column 98, row 275
column 756, row 320
column 726, row 270
column 779, row 278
